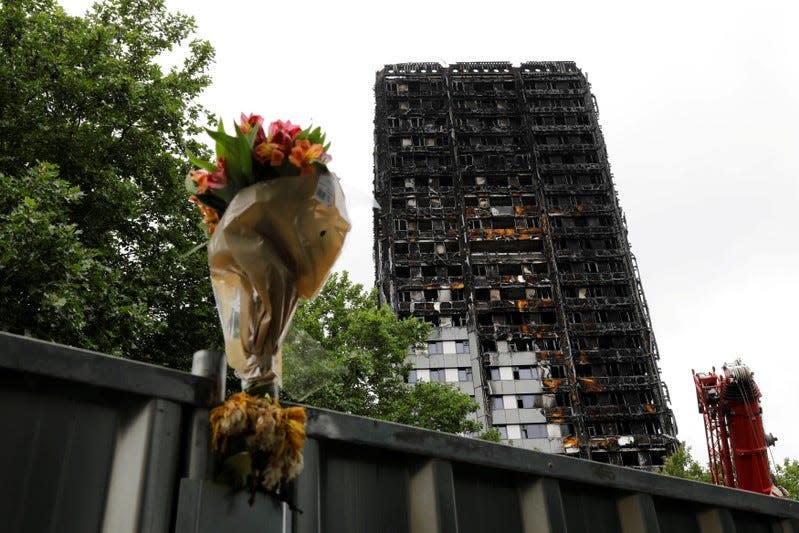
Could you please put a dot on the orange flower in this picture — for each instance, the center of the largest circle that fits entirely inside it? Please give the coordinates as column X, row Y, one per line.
column 303, row 154
column 271, row 152
column 210, row 215
column 200, row 178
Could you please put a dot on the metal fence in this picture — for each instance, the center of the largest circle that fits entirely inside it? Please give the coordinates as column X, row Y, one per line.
column 95, row 443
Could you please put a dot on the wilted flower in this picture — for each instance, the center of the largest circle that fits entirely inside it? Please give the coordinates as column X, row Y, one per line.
column 269, row 429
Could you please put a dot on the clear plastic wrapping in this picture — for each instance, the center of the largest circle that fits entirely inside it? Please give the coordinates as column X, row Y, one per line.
column 276, row 243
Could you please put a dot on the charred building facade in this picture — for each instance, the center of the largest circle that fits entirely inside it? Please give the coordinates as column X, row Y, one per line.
column 498, row 223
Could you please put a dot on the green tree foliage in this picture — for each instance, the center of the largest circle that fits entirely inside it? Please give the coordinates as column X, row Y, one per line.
column 92, row 247
column 682, row 464
column 787, row 476
column 491, row 435
column 347, row 354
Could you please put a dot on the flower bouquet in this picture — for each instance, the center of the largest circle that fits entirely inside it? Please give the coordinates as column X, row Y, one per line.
column 277, row 221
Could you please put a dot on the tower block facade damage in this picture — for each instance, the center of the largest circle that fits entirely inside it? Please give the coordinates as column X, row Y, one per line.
column 498, row 223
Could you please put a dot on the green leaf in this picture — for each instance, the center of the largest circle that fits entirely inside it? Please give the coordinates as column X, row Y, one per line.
column 229, row 148
column 244, row 153
column 250, row 136
column 201, row 163
column 225, row 144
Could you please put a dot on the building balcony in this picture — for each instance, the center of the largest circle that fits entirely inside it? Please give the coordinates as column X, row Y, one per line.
column 469, row 93
column 581, row 209
column 442, row 191
column 570, row 167
column 428, row 282
column 616, row 383
column 504, row 234
column 488, row 148
column 605, row 327
column 503, row 211
column 566, row 148
column 497, row 258
column 419, row 112
column 606, row 412
column 424, row 212
column 431, row 306
column 476, row 128
column 559, row 414
column 521, row 280
column 571, row 188
column 589, row 254
column 599, row 303
column 435, row 149
column 566, row 108
column 413, row 171
column 555, row 92
column 486, row 111
column 509, row 305
column 499, row 330
column 605, row 355
column 592, row 278
column 585, row 231
column 564, row 128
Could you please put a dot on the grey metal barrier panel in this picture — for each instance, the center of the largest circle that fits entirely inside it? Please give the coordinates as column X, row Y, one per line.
column 374, row 476
column 95, row 443
column 363, row 475
column 89, row 442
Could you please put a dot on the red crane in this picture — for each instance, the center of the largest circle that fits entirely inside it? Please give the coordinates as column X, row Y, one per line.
column 736, row 442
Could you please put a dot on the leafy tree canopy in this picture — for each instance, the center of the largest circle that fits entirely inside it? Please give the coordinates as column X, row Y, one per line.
column 92, row 242
column 347, row 354
column 681, row 464
column 786, row 476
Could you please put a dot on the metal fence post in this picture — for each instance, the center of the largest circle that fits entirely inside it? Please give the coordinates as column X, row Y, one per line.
column 212, row 365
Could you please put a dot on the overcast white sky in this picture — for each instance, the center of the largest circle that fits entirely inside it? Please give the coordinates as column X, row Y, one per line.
column 699, row 104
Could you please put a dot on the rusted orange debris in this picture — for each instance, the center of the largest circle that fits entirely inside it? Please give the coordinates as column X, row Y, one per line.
column 553, row 383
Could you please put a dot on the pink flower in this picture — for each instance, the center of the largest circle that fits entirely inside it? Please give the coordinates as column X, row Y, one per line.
column 253, row 121
column 210, row 180
column 283, row 133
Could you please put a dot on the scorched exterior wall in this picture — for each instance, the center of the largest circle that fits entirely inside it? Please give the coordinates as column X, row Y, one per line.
column 498, row 222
